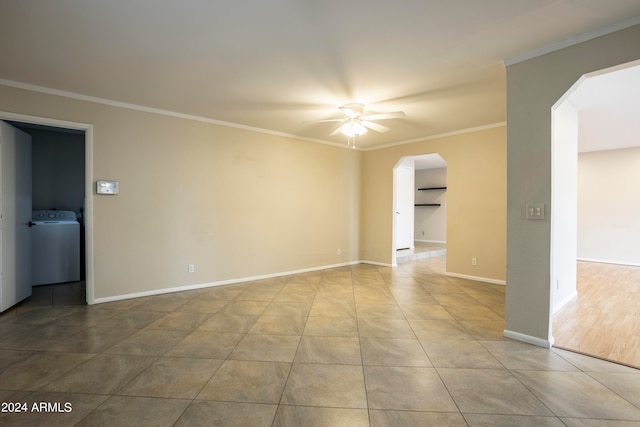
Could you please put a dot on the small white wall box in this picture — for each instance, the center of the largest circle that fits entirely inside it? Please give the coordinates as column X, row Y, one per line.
column 107, row 187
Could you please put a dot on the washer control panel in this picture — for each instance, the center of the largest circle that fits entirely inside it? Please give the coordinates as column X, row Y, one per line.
column 53, row 216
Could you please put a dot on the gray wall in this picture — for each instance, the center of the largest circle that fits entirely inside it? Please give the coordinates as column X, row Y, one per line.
column 533, row 87
column 57, row 170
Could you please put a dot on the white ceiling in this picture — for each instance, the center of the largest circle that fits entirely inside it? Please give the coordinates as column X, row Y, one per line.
column 609, row 109
column 276, row 64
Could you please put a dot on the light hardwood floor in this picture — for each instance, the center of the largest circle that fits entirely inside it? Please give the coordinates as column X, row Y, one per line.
column 604, row 320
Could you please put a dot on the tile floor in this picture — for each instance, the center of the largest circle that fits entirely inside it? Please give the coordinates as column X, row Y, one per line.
column 354, row 346
column 421, row 250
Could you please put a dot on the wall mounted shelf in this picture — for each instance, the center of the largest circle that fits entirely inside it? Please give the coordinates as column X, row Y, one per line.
column 428, row 189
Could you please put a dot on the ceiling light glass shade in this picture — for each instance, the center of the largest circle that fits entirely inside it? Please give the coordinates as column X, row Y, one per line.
column 353, row 128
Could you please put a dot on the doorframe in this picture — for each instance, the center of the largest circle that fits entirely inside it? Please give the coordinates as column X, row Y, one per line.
column 407, row 163
column 88, row 184
column 564, row 216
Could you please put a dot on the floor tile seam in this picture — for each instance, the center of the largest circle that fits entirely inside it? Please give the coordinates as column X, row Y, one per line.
column 531, row 391
column 61, row 393
column 106, row 351
column 509, row 414
column 406, row 319
column 171, row 356
column 62, row 352
column 278, row 404
column 453, row 319
column 484, row 346
column 122, row 386
column 325, row 363
column 324, row 407
column 612, row 390
column 456, row 318
column 150, row 328
column 286, row 381
column 67, row 371
column 444, row 384
column 111, row 396
column 11, row 321
column 146, row 396
column 120, row 392
column 362, row 368
column 567, row 360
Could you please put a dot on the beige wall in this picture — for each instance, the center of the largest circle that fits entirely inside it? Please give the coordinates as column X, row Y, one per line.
column 476, row 200
column 240, row 204
column 533, row 87
column 233, row 202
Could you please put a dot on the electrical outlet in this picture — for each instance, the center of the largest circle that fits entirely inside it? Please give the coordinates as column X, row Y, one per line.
column 474, row 261
column 192, row 268
column 339, row 251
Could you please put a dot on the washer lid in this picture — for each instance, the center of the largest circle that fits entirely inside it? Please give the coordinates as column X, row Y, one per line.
column 53, row 216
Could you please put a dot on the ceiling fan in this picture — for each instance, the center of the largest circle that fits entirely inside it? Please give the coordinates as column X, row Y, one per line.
column 356, row 122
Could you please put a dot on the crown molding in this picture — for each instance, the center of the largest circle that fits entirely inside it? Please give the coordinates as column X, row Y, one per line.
column 571, row 41
column 152, row 110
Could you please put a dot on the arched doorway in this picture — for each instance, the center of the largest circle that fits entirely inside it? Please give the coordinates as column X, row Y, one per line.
column 597, row 117
column 420, row 210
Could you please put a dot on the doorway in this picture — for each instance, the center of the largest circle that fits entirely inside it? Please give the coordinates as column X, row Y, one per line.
column 65, row 146
column 593, row 224
column 57, row 177
column 420, row 208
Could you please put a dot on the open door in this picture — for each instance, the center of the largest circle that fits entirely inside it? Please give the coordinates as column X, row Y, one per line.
column 15, row 216
column 404, row 207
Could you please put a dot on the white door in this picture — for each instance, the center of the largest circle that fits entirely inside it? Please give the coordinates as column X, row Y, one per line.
column 15, row 215
column 404, row 207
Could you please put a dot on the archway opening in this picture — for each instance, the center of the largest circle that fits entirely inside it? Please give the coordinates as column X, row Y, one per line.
column 594, row 206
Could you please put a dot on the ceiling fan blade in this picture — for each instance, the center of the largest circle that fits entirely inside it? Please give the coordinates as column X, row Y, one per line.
column 322, row 121
column 383, row 116
column 374, row 126
column 337, row 131
column 352, row 110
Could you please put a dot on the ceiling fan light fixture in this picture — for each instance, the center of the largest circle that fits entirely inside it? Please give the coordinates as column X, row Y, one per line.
column 353, row 127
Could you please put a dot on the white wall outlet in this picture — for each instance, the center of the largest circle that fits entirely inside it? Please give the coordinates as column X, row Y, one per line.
column 192, row 268
column 474, row 261
column 339, row 251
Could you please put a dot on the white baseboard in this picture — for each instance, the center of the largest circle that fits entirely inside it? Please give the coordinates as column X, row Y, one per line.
column 444, row 242
column 381, row 264
column 528, row 339
column 218, row 283
column 562, row 303
column 476, row 278
column 604, row 261
column 268, row 276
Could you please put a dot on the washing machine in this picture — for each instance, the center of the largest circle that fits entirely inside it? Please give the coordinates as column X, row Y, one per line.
column 55, row 247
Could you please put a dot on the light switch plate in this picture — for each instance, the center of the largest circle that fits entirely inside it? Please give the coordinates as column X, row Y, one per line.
column 535, row 211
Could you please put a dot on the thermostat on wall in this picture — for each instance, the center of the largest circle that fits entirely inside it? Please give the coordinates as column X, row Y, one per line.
column 107, row 187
